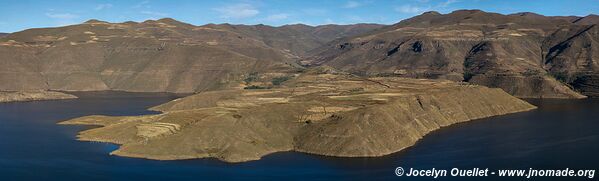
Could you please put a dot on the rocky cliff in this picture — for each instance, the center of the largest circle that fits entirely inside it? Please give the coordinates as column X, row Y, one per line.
column 325, row 114
column 525, row 54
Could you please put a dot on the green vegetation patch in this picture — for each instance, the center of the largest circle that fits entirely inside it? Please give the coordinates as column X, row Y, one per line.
column 255, row 87
column 280, row 80
column 251, row 77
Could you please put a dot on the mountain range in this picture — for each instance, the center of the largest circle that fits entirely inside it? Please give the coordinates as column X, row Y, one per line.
column 527, row 55
column 156, row 56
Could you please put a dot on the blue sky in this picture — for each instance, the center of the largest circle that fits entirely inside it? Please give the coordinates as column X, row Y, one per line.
column 17, row 15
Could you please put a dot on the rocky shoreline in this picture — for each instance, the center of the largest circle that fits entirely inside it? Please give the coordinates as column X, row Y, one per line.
column 324, row 114
column 21, row 96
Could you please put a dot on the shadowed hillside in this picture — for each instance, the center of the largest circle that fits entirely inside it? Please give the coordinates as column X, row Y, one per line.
column 525, row 54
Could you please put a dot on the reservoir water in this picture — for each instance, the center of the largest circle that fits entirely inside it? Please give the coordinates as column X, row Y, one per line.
column 560, row 134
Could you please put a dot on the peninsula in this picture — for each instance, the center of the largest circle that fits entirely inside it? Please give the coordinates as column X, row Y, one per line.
column 319, row 113
column 20, row 96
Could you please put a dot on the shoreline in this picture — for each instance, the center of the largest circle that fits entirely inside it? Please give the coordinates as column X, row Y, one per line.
column 232, row 127
column 38, row 95
column 175, row 158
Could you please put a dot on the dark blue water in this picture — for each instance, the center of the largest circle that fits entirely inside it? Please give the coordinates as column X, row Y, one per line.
column 560, row 134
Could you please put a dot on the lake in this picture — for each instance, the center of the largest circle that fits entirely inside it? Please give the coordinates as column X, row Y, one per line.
column 560, row 134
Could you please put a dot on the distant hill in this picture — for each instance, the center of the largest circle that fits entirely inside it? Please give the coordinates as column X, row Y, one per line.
column 157, row 55
column 3, row 34
column 587, row 20
column 299, row 38
column 523, row 53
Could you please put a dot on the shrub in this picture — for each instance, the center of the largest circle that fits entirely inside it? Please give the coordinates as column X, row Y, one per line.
column 255, row 87
column 358, row 89
column 251, row 77
column 560, row 76
column 531, row 72
column 279, row 80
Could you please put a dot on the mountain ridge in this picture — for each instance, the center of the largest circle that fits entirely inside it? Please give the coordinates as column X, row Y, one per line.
column 478, row 47
column 526, row 54
column 162, row 55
